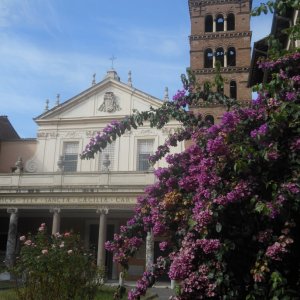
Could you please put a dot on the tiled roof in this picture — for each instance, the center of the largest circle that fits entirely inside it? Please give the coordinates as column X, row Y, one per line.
column 7, row 131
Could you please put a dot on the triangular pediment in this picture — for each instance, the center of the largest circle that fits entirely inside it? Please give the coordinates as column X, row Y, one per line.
column 108, row 99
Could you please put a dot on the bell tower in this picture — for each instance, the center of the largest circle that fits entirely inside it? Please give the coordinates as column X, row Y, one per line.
column 220, row 31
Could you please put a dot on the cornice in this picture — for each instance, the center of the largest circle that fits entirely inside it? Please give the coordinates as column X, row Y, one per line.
column 223, row 70
column 197, row 3
column 217, row 35
column 205, row 104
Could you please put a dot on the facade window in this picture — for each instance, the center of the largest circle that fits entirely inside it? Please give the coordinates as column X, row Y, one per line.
column 107, row 158
column 232, row 88
column 220, row 56
column 230, row 22
column 208, row 58
column 209, row 120
column 70, row 156
column 231, row 57
column 220, row 23
column 209, row 23
column 144, row 150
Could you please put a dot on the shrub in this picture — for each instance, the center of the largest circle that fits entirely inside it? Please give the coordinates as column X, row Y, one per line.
column 56, row 267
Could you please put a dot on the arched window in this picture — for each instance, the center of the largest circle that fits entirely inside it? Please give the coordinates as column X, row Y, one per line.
column 230, row 22
column 208, row 58
column 220, row 23
column 220, row 56
column 231, row 57
column 209, row 120
column 232, row 89
column 208, row 23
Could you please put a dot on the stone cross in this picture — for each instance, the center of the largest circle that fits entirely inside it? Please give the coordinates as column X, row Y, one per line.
column 112, row 61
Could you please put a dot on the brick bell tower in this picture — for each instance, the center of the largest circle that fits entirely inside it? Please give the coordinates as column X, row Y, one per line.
column 220, row 31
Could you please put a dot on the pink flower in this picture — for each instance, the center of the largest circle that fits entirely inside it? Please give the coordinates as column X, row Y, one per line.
column 163, row 246
column 276, row 251
column 67, row 234
column 22, row 238
column 28, row 243
column 45, row 251
column 42, row 227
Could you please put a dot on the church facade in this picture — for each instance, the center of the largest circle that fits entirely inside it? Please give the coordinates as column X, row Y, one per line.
column 43, row 180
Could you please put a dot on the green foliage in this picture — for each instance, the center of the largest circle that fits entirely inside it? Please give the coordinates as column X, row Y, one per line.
column 279, row 7
column 55, row 267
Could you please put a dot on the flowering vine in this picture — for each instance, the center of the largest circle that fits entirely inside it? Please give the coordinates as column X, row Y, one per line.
column 229, row 205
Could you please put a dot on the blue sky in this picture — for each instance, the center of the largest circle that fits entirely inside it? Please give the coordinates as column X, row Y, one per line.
column 55, row 46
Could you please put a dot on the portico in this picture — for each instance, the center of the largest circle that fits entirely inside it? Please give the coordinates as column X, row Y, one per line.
column 95, row 212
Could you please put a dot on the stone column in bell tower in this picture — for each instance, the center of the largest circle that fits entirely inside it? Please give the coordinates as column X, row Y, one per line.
column 221, row 27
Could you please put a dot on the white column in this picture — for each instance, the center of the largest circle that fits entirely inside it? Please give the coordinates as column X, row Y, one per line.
column 173, row 284
column 55, row 220
column 102, row 236
column 225, row 59
column 115, row 274
column 11, row 237
column 225, row 24
column 149, row 251
column 214, row 59
column 214, row 25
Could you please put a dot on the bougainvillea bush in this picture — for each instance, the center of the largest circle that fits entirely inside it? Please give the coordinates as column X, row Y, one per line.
column 229, row 204
column 55, row 267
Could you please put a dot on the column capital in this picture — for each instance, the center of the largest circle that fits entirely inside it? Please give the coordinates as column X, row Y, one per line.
column 102, row 210
column 12, row 210
column 54, row 210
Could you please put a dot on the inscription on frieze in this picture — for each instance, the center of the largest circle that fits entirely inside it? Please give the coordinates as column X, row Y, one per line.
column 67, row 200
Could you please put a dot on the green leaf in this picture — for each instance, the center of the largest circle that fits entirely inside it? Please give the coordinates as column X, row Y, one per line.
column 260, row 207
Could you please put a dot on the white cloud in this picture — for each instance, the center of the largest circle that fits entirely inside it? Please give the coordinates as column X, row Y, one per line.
column 39, row 14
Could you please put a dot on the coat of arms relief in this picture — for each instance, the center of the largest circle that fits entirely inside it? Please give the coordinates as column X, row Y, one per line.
column 110, row 103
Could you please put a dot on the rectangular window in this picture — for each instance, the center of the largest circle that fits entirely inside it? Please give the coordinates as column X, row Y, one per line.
column 70, row 155
column 144, row 150
column 107, row 158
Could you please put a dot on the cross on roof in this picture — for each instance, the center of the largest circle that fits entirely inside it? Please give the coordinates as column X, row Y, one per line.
column 112, row 61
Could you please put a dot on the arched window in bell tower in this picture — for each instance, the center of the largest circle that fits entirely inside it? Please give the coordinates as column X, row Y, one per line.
column 232, row 89
column 230, row 22
column 209, row 23
column 220, row 23
column 220, row 56
column 231, row 57
column 208, row 58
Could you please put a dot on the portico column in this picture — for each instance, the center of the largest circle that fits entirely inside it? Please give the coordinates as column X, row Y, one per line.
column 55, row 220
column 214, row 59
column 102, row 236
column 12, row 237
column 225, row 24
column 214, row 25
column 149, row 251
column 225, row 59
